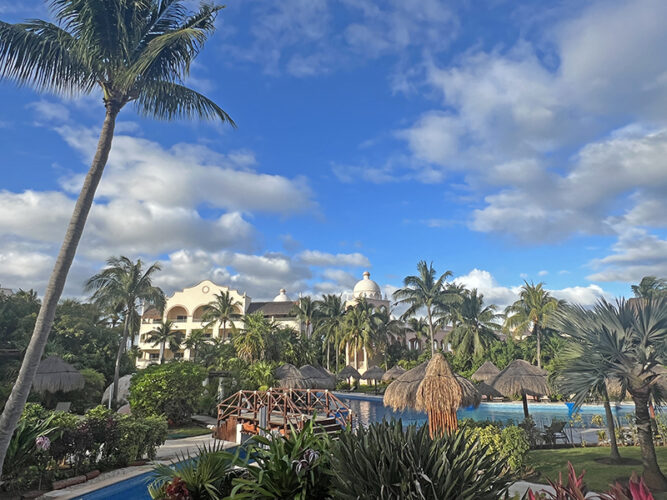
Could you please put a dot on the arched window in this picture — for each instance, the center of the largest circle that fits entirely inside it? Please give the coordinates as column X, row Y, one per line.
column 177, row 313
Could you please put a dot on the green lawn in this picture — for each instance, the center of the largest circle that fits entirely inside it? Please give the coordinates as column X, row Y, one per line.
column 598, row 476
column 188, row 431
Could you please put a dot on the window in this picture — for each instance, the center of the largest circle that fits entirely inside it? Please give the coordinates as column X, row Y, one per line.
column 178, row 355
column 181, row 318
column 153, row 356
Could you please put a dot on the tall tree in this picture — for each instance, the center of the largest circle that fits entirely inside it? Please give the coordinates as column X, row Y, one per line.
column 418, row 326
column 628, row 341
column 386, row 330
column 195, row 341
column 650, row 287
column 134, row 52
column 222, row 309
column 250, row 342
column 125, row 284
column 531, row 312
column 475, row 325
column 358, row 329
column 331, row 311
column 165, row 335
column 306, row 312
column 423, row 291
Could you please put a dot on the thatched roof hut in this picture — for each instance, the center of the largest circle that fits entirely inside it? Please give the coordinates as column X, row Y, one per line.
column 393, row 373
column 485, row 373
column 402, row 392
column 521, row 378
column 488, row 391
column 55, row 375
column 290, row 376
column 348, row 372
column 373, row 373
column 123, row 390
column 316, row 378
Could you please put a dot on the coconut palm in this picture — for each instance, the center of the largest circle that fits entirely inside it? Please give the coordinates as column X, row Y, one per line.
column 474, row 326
column 306, row 312
column 532, row 311
column 583, row 372
column 358, row 329
column 251, row 341
column 385, row 331
column 423, row 291
column 195, row 341
column 125, row 284
column 628, row 342
column 135, row 52
column 223, row 309
column 419, row 326
column 331, row 312
column 649, row 287
column 165, row 335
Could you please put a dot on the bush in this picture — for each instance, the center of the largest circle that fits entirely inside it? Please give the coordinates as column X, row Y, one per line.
column 390, row 462
column 91, row 393
column 296, row 466
column 173, row 390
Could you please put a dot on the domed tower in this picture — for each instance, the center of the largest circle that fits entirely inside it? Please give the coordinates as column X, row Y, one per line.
column 367, row 288
column 282, row 296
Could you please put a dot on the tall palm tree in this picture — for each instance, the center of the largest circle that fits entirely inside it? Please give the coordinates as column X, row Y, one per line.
column 195, row 341
column 385, row 330
column 532, row 311
column 475, row 325
column 583, row 371
column 125, row 284
column 223, row 309
column 423, row 291
column 306, row 312
column 419, row 326
column 165, row 335
column 251, row 341
column 627, row 341
column 132, row 51
column 331, row 311
column 649, row 287
column 358, row 328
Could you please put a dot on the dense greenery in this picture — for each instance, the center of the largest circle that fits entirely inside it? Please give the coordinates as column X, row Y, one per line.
column 173, row 390
column 101, row 439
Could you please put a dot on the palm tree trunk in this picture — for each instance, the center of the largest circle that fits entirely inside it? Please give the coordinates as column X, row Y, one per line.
column 652, row 474
column 162, row 348
column 328, row 355
column 119, row 357
column 524, row 400
column 430, row 328
column 21, row 390
column 615, row 455
column 536, row 330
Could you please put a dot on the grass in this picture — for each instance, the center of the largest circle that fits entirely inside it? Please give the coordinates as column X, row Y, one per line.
column 187, row 431
column 598, row 476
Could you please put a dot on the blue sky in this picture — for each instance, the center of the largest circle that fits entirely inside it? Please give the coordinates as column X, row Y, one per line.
column 501, row 140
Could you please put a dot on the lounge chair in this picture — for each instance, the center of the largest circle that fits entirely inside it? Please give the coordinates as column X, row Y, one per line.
column 63, row 406
column 554, row 432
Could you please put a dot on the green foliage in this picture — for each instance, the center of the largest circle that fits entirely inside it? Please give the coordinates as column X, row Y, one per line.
column 208, row 476
column 173, row 390
column 22, row 448
column 387, row 461
column 510, row 443
column 293, row 467
column 91, row 393
column 261, row 374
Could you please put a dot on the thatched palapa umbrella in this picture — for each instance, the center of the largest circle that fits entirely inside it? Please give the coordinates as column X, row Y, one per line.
column 486, row 373
column 521, row 378
column 393, row 373
column 348, row 372
column 486, row 390
column 433, row 387
column 316, row 378
column 289, row 376
column 55, row 375
column 373, row 373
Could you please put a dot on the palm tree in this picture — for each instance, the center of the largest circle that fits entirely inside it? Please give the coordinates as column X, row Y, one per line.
column 650, row 287
column 385, row 329
column 251, row 341
column 358, row 328
column 331, row 312
column 195, row 341
column 124, row 284
column 626, row 341
column 583, row 371
column 418, row 326
column 533, row 310
column 305, row 311
column 223, row 309
column 423, row 292
column 163, row 335
column 134, row 52
column 474, row 325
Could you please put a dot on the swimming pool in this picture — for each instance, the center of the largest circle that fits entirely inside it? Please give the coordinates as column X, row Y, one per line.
column 371, row 409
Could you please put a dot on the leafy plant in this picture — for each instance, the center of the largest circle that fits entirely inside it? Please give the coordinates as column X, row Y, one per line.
column 296, row 466
column 208, row 476
column 387, row 461
column 22, row 447
column 173, row 390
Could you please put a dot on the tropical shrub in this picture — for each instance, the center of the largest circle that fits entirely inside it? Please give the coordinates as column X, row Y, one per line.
column 91, row 393
column 173, row 390
column 388, row 461
column 510, row 443
column 208, row 476
column 296, row 466
column 23, row 445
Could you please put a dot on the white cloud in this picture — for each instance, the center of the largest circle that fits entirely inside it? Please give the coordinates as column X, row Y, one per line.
column 48, row 112
column 317, row 258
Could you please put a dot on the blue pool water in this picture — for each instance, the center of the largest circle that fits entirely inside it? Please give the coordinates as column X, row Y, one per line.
column 368, row 409
column 371, row 409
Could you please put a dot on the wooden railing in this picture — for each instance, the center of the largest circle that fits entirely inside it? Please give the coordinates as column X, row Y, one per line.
column 294, row 406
